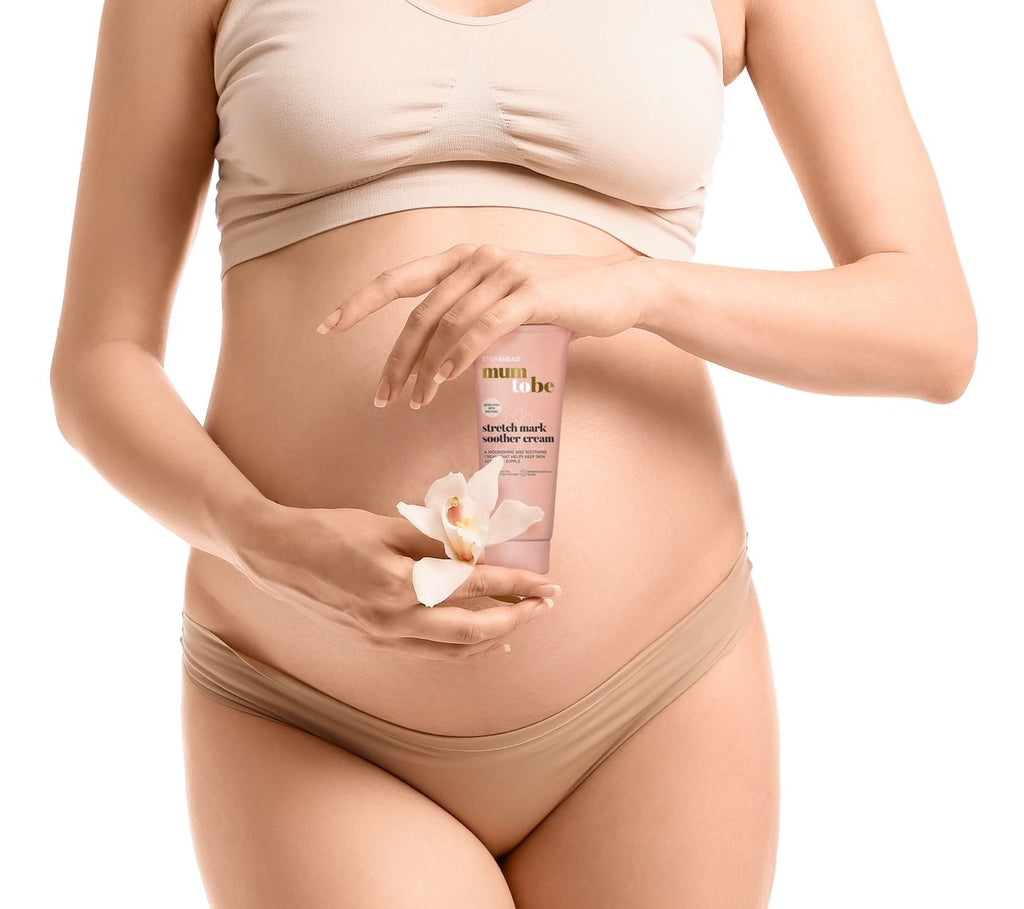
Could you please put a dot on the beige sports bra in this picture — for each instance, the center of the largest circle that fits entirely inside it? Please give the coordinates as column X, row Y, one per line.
column 331, row 111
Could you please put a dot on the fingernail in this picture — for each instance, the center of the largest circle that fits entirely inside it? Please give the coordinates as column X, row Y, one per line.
column 498, row 648
column 548, row 590
column 444, row 372
column 383, row 393
column 417, row 400
column 333, row 319
column 545, row 605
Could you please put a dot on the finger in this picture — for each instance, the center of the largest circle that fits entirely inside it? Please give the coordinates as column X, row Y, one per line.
column 411, row 279
column 449, row 653
column 486, row 584
column 518, row 308
column 499, row 581
column 458, row 292
column 455, row 625
column 435, row 364
column 493, row 650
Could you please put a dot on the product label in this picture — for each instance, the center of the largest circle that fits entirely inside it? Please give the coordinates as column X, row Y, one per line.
column 518, row 441
column 513, row 433
column 521, row 382
column 519, row 445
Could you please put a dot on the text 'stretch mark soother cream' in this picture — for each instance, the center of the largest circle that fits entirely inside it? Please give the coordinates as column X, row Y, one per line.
column 520, row 384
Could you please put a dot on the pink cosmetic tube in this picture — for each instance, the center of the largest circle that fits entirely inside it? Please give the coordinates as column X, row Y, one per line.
column 520, row 384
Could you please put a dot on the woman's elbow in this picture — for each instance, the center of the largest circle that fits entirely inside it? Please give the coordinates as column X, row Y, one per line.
column 954, row 364
column 61, row 410
column 65, row 383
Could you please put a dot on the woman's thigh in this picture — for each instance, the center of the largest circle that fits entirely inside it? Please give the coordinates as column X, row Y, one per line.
column 283, row 818
column 685, row 813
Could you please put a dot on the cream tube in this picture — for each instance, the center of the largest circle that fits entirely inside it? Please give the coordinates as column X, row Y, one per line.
column 520, row 383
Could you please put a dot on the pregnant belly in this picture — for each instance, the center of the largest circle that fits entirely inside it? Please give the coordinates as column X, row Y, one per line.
column 647, row 516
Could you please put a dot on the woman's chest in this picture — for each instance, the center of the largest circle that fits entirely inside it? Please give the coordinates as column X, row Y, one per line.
column 625, row 98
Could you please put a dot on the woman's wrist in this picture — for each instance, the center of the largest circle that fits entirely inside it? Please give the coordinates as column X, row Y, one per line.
column 246, row 521
column 662, row 295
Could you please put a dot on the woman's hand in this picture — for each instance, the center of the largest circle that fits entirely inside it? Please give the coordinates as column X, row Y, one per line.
column 481, row 293
column 354, row 568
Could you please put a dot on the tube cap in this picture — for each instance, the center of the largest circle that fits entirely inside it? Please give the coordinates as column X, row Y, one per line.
column 533, row 555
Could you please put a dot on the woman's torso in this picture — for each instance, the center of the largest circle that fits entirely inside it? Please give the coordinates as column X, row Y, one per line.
column 648, row 516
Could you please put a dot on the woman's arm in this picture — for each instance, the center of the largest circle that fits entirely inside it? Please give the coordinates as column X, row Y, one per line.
column 895, row 316
column 148, row 157
column 146, row 168
column 885, row 325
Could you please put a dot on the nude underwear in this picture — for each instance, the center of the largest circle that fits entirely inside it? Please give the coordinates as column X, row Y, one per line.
column 501, row 785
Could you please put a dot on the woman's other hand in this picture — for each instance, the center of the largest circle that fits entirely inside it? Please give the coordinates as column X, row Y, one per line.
column 479, row 293
column 354, row 568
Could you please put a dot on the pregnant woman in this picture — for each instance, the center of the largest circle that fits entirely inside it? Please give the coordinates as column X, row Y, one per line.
column 399, row 184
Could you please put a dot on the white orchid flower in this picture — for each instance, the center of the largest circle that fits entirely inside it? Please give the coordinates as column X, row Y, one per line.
column 460, row 513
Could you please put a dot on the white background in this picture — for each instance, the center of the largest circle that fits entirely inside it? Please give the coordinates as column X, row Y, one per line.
column 884, row 532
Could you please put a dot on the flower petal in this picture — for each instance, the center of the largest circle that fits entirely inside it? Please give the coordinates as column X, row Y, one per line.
column 443, row 489
column 511, row 518
column 434, row 580
column 483, row 485
column 424, row 520
column 464, row 535
column 462, row 541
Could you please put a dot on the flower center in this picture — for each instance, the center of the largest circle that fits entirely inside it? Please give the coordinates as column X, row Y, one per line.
column 454, row 513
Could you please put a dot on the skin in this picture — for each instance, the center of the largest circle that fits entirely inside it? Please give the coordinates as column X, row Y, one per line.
column 300, row 560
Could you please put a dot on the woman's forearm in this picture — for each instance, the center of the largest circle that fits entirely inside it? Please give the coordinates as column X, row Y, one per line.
column 115, row 404
column 884, row 325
